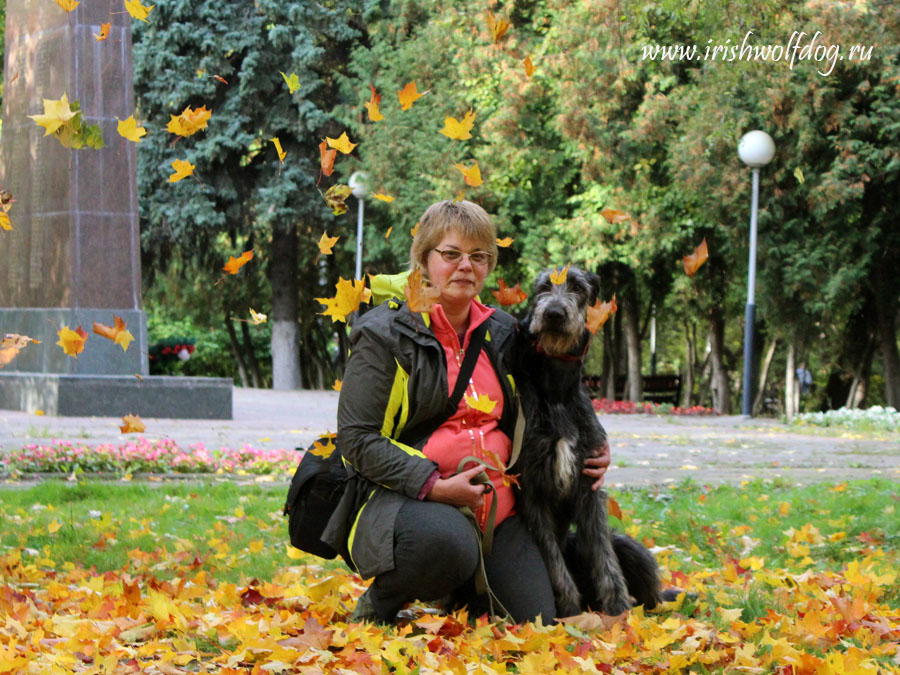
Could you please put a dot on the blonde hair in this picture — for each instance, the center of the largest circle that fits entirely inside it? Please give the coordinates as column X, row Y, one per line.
column 465, row 218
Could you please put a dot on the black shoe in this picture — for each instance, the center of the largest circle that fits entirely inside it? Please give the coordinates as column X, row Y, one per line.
column 365, row 610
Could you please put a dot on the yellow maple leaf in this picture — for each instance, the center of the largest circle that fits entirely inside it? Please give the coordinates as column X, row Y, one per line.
column 118, row 333
column 482, row 403
column 350, row 294
column 472, row 174
column 559, row 277
column 292, row 81
column 341, row 143
column 388, row 233
column 281, row 153
column 326, row 243
column 409, row 95
column 54, row 527
column 133, row 424
column 498, row 27
column 419, row 296
column 5, row 222
column 56, row 114
column 336, row 198
column 459, row 130
column 137, row 10
column 189, row 121
column 235, row 264
column 256, row 318
column 104, row 31
column 130, row 130
column 372, row 106
column 72, row 341
column 324, row 446
column 68, row 5
column 337, row 385
column 383, row 197
column 505, row 243
column 183, row 169
column 529, row 66
column 414, row 231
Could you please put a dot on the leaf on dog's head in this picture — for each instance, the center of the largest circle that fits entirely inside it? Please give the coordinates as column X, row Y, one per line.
column 558, row 277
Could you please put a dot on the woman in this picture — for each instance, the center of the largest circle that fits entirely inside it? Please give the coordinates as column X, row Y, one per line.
column 400, row 522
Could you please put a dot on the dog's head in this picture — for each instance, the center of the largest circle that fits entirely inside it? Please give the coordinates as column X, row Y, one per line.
column 558, row 314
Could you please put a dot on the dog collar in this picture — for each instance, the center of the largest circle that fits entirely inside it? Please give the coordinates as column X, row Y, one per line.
column 563, row 357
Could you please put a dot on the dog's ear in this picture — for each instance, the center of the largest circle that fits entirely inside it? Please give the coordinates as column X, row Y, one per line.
column 594, row 281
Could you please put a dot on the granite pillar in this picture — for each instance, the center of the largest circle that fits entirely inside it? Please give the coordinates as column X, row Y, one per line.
column 73, row 255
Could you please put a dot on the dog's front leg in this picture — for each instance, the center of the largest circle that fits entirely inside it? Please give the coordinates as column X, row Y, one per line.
column 597, row 556
column 544, row 530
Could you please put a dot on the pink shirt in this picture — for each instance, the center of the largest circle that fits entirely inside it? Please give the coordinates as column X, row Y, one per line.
column 472, row 431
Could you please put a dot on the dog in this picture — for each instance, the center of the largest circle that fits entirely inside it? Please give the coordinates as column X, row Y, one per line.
column 596, row 567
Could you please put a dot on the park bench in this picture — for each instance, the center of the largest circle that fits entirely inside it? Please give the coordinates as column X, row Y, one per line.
column 657, row 388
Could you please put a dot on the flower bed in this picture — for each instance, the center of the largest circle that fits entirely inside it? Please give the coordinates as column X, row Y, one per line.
column 604, row 405
column 162, row 456
column 875, row 418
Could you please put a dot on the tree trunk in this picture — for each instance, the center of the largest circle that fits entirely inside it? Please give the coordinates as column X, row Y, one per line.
column 764, row 376
column 252, row 363
column 285, row 329
column 634, row 388
column 690, row 362
column 612, row 356
column 236, row 352
column 719, row 385
column 791, row 394
column 887, row 345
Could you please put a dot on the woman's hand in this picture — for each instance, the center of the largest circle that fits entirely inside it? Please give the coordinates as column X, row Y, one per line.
column 596, row 465
column 459, row 490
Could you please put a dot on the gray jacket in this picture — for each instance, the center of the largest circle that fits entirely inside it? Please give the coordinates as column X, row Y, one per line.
column 394, row 394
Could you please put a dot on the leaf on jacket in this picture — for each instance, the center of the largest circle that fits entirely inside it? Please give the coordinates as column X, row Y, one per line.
column 324, row 445
column 695, row 260
column 599, row 313
column 481, row 403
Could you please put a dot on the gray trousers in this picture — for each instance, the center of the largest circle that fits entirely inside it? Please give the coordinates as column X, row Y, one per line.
column 436, row 555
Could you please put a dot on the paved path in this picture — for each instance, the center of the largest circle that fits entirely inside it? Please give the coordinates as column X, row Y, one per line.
column 647, row 450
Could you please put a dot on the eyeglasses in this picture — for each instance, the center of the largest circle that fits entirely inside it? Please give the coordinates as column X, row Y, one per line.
column 454, row 257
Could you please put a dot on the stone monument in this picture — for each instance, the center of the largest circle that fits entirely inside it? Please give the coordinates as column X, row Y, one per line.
column 73, row 254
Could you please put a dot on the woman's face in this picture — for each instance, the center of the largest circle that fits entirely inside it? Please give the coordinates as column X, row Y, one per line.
column 460, row 281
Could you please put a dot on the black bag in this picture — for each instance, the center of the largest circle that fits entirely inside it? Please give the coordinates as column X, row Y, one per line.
column 319, row 482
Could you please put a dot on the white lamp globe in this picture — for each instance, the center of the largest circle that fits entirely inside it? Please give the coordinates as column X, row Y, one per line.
column 756, row 148
column 359, row 184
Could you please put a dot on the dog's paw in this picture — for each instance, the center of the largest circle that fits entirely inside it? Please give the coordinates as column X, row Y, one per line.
column 569, row 603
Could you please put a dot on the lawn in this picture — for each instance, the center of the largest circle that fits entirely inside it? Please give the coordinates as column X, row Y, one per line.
column 103, row 577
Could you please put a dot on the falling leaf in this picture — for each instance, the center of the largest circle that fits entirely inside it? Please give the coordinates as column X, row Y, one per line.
column 481, row 403
column 695, row 260
column 68, row 5
column 460, row 197
column 235, row 264
column 72, row 341
column 414, row 231
column 326, row 243
column 558, row 277
column 10, row 346
column 614, row 215
column 56, row 114
column 459, row 130
column 326, row 158
column 341, row 143
column 133, row 424
column 509, row 296
column 337, row 385
column 189, row 122
column 6, row 200
column 118, row 333
column 257, row 318
column 5, row 222
column 219, row 78
column 529, row 66
column 505, row 242
column 130, row 130
column 54, row 527
column 498, row 27
column 388, row 233
column 409, row 95
column 350, row 294
column 383, row 197
column 372, row 106
column 336, row 196
column 281, row 153
column 613, row 508
column 599, row 313
column 104, row 31
column 137, row 10
column 798, row 174
column 183, row 169
column 293, row 82
column 472, row 175
column 419, row 296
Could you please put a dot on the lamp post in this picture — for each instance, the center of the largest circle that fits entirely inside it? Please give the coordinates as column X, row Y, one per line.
column 755, row 149
column 359, row 185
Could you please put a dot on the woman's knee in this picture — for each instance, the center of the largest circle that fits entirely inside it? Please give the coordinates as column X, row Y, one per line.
column 436, row 539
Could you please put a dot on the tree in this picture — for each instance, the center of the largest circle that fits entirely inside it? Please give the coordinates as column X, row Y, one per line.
column 230, row 59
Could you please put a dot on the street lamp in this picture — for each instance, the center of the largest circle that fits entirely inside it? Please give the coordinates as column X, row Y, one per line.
column 358, row 184
column 755, row 149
